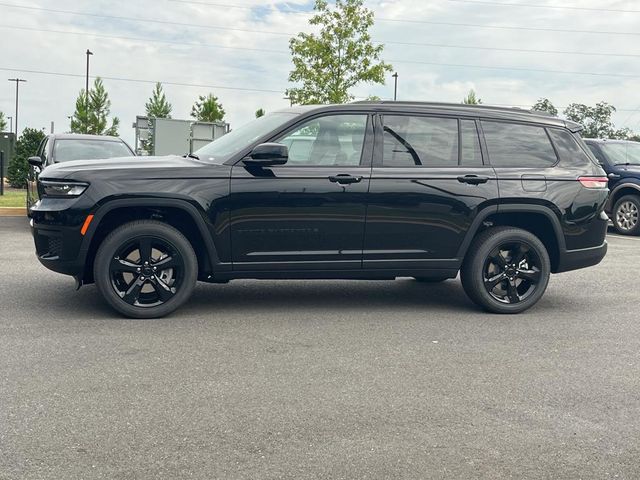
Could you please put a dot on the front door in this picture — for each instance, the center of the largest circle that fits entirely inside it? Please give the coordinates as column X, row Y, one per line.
column 428, row 184
column 308, row 214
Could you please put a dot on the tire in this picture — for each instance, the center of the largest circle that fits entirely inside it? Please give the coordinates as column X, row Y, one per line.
column 490, row 260
column 431, row 280
column 626, row 215
column 145, row 290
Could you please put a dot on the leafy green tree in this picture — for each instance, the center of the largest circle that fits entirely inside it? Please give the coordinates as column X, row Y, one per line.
column 545, row 105
column 341, row 55
column 260, row 112
column 3, row 122
column 207, row 109
column 471, row 98
column 596, row 120
column 158, row 106
column 26, row 147
column 91, row 117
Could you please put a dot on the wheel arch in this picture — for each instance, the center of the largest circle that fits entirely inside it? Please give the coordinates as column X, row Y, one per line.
column 175, row 212
column 536, row 219
column 626, row 188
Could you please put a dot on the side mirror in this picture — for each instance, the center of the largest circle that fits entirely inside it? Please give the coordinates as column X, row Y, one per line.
column 267, row 154
column 35, row 162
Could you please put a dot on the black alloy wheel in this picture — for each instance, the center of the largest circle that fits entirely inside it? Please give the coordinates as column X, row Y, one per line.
column 145, row 269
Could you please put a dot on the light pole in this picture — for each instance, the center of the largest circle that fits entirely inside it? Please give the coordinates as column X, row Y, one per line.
column 17, row 80
column 86, row 82
column 395, row 86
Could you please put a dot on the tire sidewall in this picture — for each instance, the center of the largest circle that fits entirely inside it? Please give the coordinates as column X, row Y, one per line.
column 128, row 232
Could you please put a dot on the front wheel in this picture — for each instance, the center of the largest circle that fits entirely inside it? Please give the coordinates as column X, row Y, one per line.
column 145, row 269
column 626, row 215
column 506, row 270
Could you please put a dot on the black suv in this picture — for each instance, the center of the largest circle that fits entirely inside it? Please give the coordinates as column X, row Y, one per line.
column 372, row 190
column 621, row 161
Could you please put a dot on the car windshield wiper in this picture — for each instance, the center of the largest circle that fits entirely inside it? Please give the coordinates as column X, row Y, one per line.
column 192, row 155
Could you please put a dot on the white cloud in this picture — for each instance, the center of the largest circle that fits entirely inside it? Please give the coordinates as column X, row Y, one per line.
column 50, row 98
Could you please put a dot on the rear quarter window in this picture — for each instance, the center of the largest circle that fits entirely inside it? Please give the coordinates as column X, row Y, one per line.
column 516, row 145
column 570, row 152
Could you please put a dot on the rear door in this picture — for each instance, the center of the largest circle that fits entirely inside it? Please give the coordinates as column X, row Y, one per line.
column 428, row 183
column 308, row 214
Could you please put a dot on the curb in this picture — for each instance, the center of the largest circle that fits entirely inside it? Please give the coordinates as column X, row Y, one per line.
column 13, row 212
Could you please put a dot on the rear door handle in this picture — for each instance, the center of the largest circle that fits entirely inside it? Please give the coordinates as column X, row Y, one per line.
column 473, row 179
column 344, row 178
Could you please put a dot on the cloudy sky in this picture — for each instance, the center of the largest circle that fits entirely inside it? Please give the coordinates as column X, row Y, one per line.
column 511, row 52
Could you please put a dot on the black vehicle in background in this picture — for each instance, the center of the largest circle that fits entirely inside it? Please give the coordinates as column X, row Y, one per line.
column 371, row 190
column 56, row 148
column 621, row 160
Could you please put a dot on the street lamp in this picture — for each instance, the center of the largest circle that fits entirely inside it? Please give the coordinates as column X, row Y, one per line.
column 17, row 80
column 395, row 86
column 86, row 82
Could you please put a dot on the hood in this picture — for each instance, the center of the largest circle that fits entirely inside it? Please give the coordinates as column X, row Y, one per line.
column 138, row 168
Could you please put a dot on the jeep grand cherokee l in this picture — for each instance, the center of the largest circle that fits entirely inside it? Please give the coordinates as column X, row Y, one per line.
column 372, row 190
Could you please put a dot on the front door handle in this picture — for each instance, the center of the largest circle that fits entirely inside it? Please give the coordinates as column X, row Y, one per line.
column 344, row 178
column 473, row 179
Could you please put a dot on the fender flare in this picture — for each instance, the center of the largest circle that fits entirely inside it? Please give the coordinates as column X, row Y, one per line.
column 513, row 208
column 183, row 205
column 619, row 187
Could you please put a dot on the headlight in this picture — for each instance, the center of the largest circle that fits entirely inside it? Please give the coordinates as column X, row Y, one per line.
column 62, row 189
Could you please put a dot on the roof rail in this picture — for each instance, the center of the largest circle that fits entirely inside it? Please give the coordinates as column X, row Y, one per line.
column 452, row 105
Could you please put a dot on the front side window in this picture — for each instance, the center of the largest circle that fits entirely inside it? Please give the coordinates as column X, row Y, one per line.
column 515, row 145
column 65, row 150
column 420, row 141
column 325, row 141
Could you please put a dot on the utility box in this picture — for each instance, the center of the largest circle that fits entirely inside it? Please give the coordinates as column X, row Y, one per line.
column 167, row 136
column 8, row 146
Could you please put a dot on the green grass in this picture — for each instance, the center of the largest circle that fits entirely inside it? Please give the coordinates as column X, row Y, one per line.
column 13, row 198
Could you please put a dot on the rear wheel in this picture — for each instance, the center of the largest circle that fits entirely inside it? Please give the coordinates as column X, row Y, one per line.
column 626, row 213
column 145, row 269
column 506, row 271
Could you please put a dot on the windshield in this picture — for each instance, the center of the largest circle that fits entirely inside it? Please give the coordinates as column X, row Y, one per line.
column 622, row 153
column 65, row 150
column 224, row 147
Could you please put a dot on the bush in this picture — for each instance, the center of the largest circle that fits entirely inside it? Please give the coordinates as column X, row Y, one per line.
column 26, row 147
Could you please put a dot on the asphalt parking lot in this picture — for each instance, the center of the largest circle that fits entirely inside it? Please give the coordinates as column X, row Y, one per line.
column 319, row 379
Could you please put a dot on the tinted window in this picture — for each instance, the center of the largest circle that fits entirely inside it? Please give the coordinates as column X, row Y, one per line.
column 513, row 145
column 568, row 148
column 420, row 141
column 470, row 146
column 75, row 149
column 330, row 140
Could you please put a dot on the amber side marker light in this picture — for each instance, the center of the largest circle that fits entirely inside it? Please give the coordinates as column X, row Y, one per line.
column 594, row 182
column 85, row 225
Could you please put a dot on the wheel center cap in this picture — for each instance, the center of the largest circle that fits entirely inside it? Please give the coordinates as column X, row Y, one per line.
column 147, row 272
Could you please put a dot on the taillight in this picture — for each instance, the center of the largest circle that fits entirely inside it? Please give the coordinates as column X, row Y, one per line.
column 594, row 182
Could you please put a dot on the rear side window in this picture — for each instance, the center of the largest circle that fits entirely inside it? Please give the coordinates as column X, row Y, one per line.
column 470, row 153
column 568, row 149
column 514, row 145
column 420, row 141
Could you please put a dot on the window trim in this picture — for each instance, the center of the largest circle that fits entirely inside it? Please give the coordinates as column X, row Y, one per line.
column 526, row 124
column 367, row 146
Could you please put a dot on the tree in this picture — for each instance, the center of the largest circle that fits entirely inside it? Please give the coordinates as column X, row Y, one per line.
column 91, row 117
column 471, row 98
column 596, row 120
column 3, row 122
column 26, row 147
column 207, row 109
column 545, row 105
column 158, row 106
column 260, row 112
column 341, row 55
